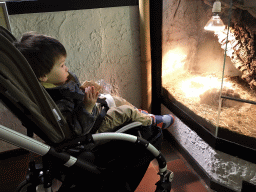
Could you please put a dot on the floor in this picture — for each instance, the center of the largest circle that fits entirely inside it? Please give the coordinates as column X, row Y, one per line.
column 185, row 178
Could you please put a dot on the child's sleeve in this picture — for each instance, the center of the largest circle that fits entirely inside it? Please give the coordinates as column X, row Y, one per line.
column 78, row 119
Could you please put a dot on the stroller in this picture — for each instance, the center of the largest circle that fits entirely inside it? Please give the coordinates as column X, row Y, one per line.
column 114, row 161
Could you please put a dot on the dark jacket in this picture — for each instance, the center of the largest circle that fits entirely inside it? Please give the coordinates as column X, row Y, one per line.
column 69, row 99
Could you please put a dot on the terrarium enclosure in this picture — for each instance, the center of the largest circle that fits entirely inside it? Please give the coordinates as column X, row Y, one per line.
column 212, row 74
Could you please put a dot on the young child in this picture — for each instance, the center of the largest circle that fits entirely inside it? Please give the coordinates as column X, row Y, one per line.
column 77, row 103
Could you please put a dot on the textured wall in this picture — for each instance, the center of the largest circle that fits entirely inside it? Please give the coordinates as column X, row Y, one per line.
column 101, row 44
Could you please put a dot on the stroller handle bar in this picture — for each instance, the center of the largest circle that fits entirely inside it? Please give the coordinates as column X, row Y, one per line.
column 30, row 144
column 13, row 137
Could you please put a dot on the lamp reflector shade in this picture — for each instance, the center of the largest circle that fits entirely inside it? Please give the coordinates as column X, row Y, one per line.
column 215, row 24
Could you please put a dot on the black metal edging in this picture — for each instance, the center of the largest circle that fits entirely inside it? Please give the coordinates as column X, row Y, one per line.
column 216, row 143
column 39, row 6
column 246, row 186
column 235, row 150
column 156, row 15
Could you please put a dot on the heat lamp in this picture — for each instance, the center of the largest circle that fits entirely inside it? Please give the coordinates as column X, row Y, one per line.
column 215, row 23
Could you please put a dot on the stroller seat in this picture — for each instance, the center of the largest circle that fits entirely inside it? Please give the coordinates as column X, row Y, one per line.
column 93, row 162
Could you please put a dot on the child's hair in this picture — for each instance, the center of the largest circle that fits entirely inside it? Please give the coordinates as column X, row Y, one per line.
column 41, row 51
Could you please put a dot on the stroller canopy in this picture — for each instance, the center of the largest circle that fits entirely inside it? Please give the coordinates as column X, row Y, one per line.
column 23, row 94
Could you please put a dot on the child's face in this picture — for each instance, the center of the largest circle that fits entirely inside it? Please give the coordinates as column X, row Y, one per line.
column 59, row 73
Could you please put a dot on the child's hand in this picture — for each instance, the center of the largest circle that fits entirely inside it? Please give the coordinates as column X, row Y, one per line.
column 90, row 98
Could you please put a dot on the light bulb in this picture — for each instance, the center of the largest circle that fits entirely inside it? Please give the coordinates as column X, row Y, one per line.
column 215, row 24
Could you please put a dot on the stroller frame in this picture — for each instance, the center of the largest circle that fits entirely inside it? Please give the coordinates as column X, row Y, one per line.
column 67, row 160
column 23, row 95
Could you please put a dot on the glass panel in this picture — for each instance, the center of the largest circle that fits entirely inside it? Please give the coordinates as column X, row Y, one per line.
column 192, row 60
column 212, row 75
column 237, row 111
column 215, row 85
